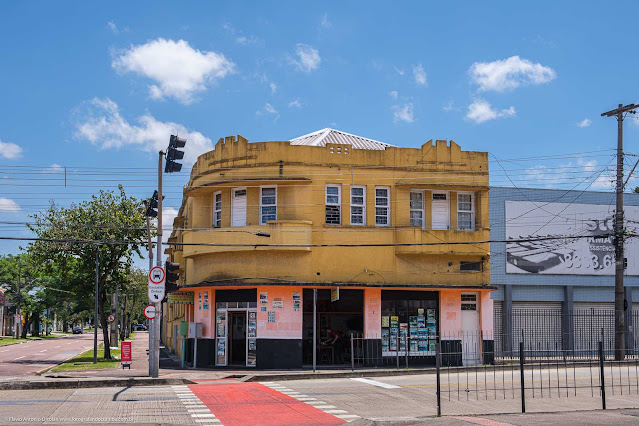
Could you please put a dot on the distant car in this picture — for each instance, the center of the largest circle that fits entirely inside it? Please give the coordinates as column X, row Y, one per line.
column 139, row 327
column 77, row 330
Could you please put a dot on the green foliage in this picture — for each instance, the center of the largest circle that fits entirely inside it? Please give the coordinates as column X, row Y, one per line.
column 111, row 224
column 636, row 189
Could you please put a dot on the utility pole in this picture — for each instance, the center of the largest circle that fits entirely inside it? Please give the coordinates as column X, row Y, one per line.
column 620, row 327
column 18, row 318
column 154, row 333
column 95, row 315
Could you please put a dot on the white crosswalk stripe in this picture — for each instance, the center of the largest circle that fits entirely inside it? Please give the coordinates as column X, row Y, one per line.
column 194, row 406
column 313, row 402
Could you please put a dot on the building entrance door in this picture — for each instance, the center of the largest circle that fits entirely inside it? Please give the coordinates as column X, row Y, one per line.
column 237, row 338
column 441, row 211
column 470, row 329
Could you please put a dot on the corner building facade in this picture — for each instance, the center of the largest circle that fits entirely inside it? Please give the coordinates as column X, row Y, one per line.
column 393, row 239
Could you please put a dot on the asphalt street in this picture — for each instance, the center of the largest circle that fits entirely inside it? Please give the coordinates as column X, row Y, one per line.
column 27, row 358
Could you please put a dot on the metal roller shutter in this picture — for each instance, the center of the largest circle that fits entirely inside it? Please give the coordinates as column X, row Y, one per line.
column 498, row 326
column 539, row 324
column 589, row 319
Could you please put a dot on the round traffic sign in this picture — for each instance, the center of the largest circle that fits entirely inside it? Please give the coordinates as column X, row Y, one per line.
column 149, row 311
column 111, row 318
column 156, row 275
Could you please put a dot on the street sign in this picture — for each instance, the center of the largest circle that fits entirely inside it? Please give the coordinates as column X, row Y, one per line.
column 125, row 354
column 149, row 311
column 111, row 318
column 157, row 277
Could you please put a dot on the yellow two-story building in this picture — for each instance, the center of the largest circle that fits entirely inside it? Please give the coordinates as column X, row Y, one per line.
column 394, row 241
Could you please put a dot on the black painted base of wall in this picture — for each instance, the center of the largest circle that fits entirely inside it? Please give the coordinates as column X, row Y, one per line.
column 205, row 352
column 371, row 353
column 451, row 353
column 488, row 352
column 279, row 353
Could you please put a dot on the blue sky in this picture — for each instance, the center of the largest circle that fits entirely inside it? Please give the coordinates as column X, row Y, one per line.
column 89, row 86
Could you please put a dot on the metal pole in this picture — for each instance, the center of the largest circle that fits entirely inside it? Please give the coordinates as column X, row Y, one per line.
column 314, row 329
column 352, row 354
column 438, row 364
column 601, row 375
column 521, row 376
column 18, row 317
column 154, row 354
column 95, row 315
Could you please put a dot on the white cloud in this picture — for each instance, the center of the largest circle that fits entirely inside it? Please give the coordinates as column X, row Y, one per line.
column 8, row 205
column 394, row 94
column 403, row 113
column 273, row 87
column 588, row 172
column 113, row 27
column 584, row 123
column 308, row 58
column 480, row 111
column 398, row 71
column 508, row 74
column 325, row 23
column 10, row 150
column 54, row 168
column 420, row 75
column 450, row 106
column 268, row 109
column 295, row 104
column 240, row 37
column 99, row 121
column 168, row 215
column 179, row 70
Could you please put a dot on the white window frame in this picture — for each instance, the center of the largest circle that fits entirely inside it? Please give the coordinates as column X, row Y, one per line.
column 262, row 188
column 363, row 205
column 217, row 213
column 387, row 207
column 472, row 211
column 338, row 204
column 432, row 204
column 422, row 210
column 233, row 190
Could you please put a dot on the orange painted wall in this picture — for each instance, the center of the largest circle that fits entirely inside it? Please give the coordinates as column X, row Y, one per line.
column 288, row 321
column 373, row 313
column 450, row 313
column 202, row 315
column 486, row 314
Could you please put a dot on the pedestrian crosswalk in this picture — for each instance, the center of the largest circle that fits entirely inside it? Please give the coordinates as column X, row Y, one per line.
column 197, row 410
column 313, row 402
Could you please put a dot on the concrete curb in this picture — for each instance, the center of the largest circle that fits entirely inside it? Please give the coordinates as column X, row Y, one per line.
column 92, row 383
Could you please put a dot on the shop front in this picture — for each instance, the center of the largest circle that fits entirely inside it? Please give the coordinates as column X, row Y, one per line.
column 271, row 326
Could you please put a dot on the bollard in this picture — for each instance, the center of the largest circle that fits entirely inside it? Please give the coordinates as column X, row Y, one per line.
column 521, row 373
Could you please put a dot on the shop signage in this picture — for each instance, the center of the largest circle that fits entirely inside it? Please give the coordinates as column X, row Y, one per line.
column 149, row 311
column 335, row 294
column 278, row 303
column 186, row 298
column 125, row 354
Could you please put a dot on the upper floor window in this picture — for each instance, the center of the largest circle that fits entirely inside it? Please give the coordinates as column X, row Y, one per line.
column 217, row 209
column 465, row 212
column 417, row 208
column 382, row 206
column 333, row 204
column 268, row 204
column 358, row 205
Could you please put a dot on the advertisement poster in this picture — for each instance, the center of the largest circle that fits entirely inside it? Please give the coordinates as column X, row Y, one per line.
column 205, row 306
column 592, row 253
column 271, row 316
column 199, row 301
column 263, row 298
column 385, row 321
column 297, row 298
column 278, row 303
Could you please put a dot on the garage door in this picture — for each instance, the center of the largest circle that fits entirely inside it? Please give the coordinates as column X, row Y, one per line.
column 538, row 324
column 589, row 319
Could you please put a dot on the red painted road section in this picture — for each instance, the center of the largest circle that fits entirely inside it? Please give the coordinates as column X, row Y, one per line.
column 255, row 404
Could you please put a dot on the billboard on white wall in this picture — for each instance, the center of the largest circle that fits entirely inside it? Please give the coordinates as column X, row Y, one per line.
column 590, row 255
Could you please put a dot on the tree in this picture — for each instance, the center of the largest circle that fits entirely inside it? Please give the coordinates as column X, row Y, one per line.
column 636, row 189
column 110, row 224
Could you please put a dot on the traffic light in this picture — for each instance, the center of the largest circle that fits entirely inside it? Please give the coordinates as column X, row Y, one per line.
column 151, row 208
column 172, row 154
column 171, row 277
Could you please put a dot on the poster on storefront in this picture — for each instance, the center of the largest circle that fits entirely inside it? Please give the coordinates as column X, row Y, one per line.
column 271, row 316
column 394, row 321
column 205, row 305
column 278, row 303
column 263, row 297
column 297, row 296
column 199, row 301
column 385, row 321
column 567, row 238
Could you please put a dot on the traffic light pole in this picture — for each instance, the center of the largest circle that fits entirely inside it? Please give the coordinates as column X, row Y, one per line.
column 154, row 334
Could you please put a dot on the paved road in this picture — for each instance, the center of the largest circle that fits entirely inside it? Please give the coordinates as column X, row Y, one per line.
column 227, row 402
column 27, row 358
